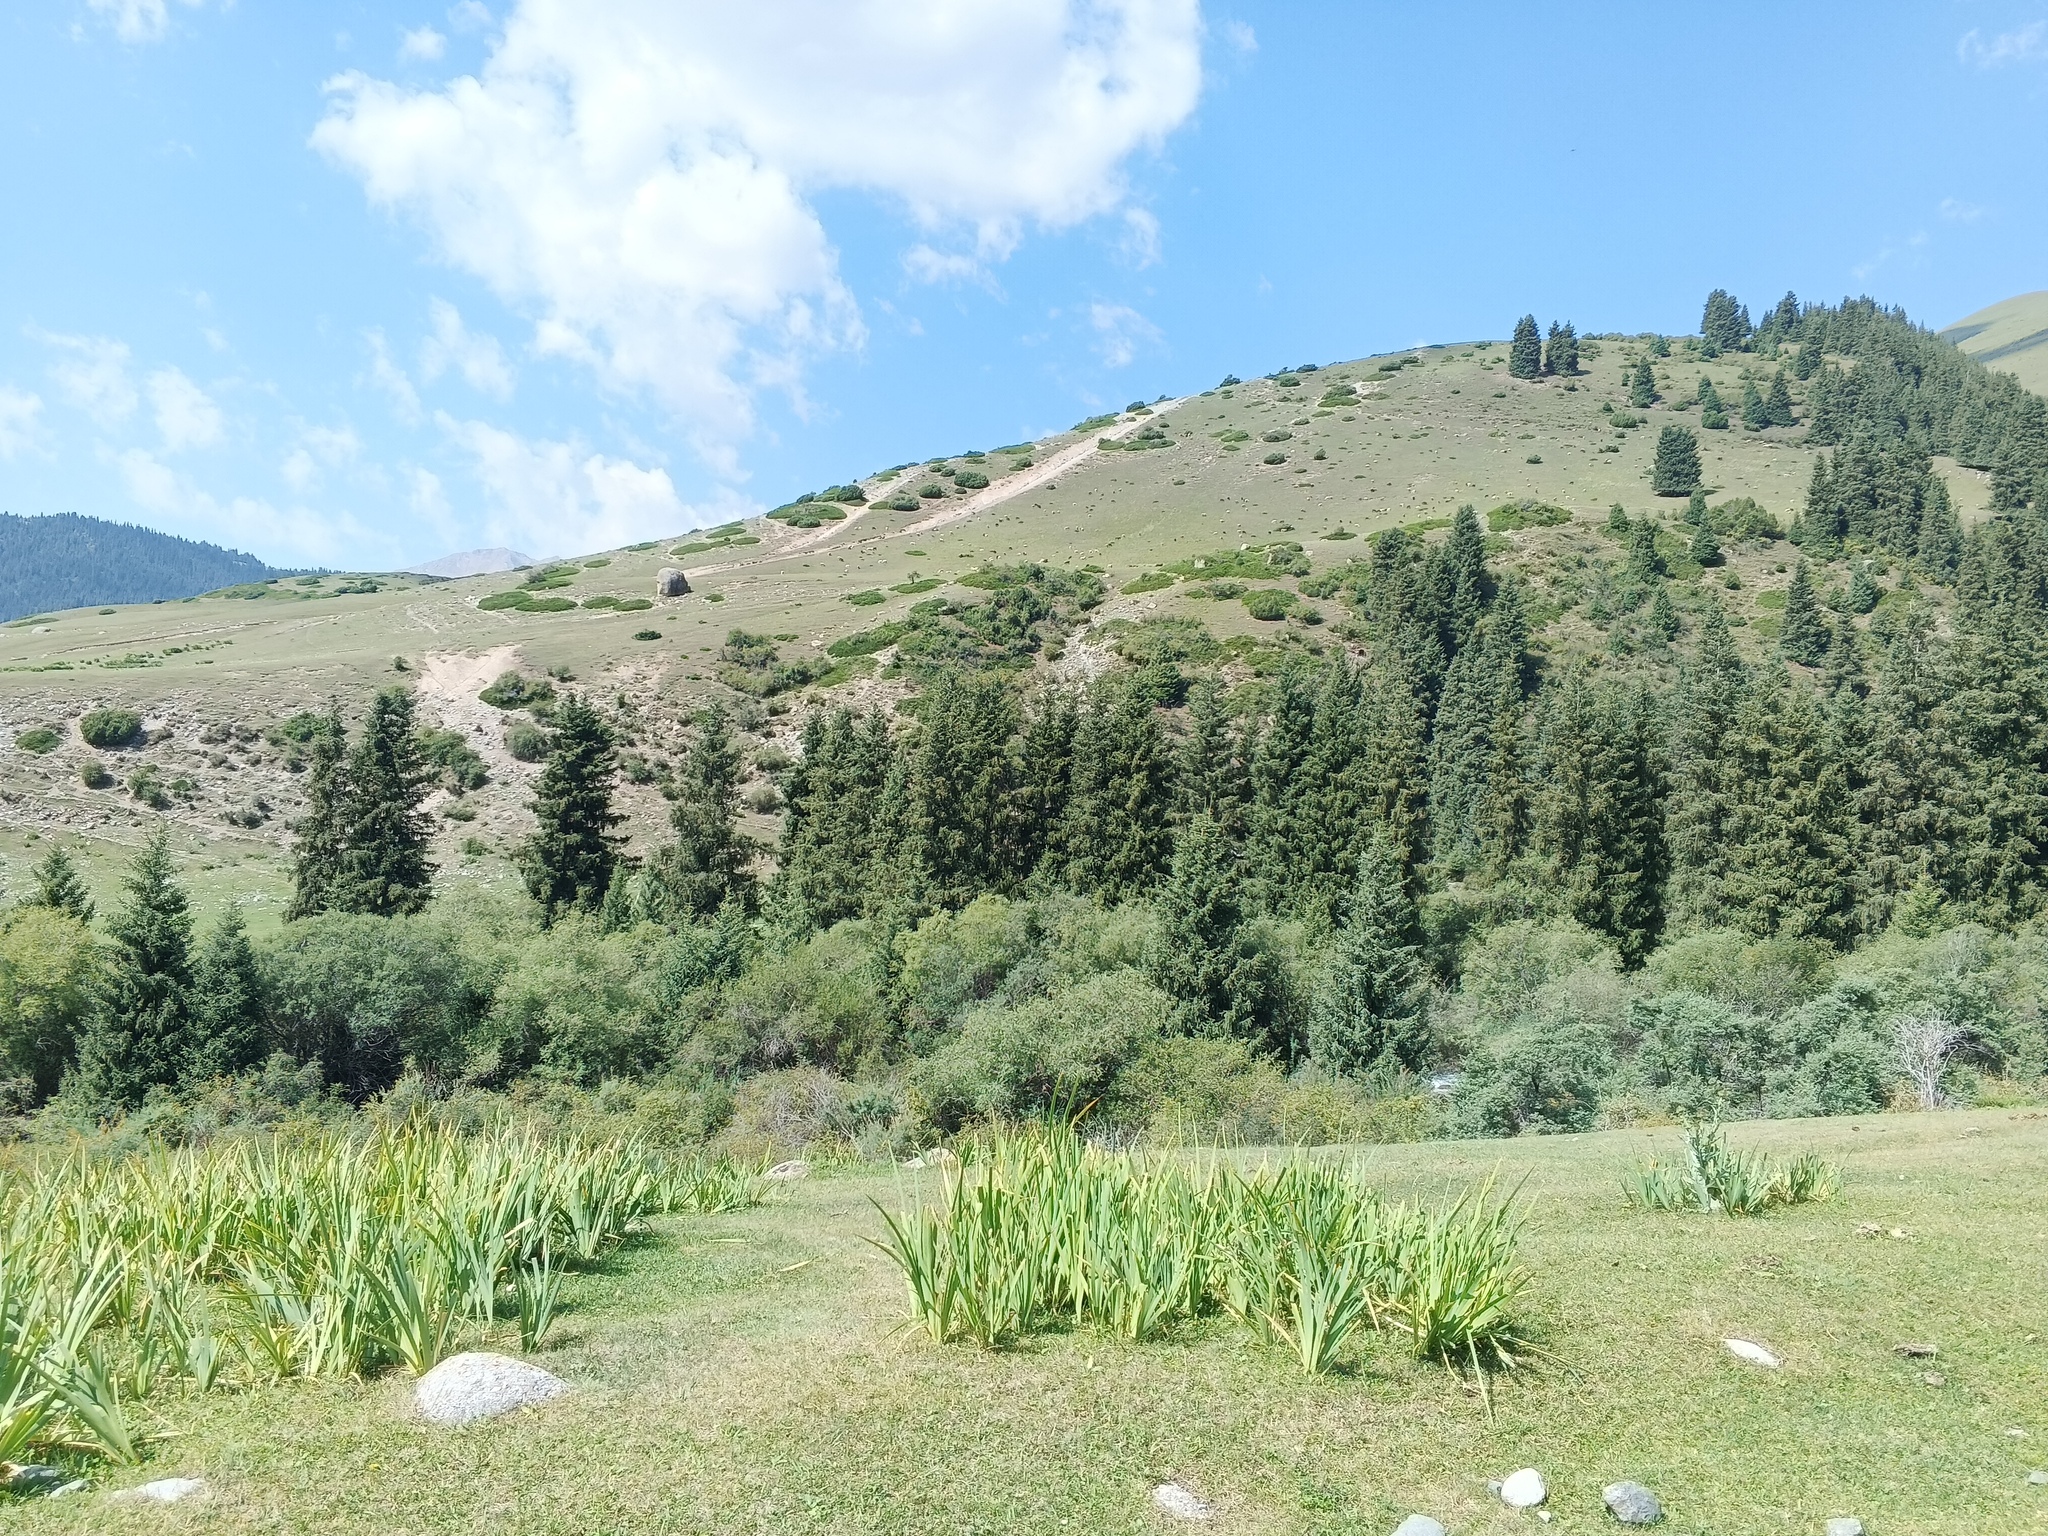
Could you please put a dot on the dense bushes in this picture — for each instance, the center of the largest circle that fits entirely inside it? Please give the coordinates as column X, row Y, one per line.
column 110, row 728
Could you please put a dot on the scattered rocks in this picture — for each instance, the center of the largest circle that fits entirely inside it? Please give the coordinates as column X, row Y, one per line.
column 1845, row 1525
column 795, row 1168
column 1755, row 1354
column 167, row 1490
column 1180, row 1502
column 670, row 582
column 1915, row 1351
column 1632, row 1504
column 2038, row 1479
column 1420, row 1525
column 473, row 1386
column 1524, row 1489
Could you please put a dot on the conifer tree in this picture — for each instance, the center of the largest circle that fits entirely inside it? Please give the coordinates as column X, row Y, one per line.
column 1663, row 617
column 962, row 783
column 1116, row 839
column 1676, row 469
column 1044, row 777
column 1209, row 772
column 1561, row 351
column 1642, row 385
column 1939, row 548
column 1503, row 817
column 225, row 1032
column 1807, row 363
column 1778, row 403
column 1754, row 417
column 569, row 860
column 1200, row 912
column 1706, row 549
column 1601, row 815
column 622, row 907
column 1821, row 523
column 138, row 1036
column 1525, row 352
column 1704, row 784
column 58, row 886
column 385, row 870
column 1724, row 327
column 1644, row 563
column 1369, row 1010
column 1696, row 507
column 1863, row 592
column 1804, row 638
column 321, row 835
column 708, row 864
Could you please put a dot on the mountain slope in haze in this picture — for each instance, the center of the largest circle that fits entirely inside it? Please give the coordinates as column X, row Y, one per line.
column 2011, row 336
column 473, row 562
column 70, row 561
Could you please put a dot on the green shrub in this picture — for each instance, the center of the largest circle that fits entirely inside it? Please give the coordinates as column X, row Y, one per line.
column 1526, row 513
column 461, row 769
column 867, row 642
column 92, row 773
column 922, row 584
column 512, row 691
column 603, row 600
column 362, row 996
column 971, row 480
column 37, row 739
column 110, row 728
column 1156, row 581
column 646, row 634
column 867, row 599
column 1544, row 1077
column 527, row 742
column 1269, row 603
column 1277, row 435
column 146, row 787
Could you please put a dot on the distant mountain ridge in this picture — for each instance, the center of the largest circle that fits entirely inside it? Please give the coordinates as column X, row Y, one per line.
column 474, row 562
column 67, row 560
column 2011, row 336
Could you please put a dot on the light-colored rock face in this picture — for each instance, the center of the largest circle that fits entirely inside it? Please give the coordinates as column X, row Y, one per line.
column 1845, row 1525
column 1755, row 1354
column 464, row 1388
column 796, row 1168
column 167, row 1490
column 1524, row 1489
column 1420, row 1525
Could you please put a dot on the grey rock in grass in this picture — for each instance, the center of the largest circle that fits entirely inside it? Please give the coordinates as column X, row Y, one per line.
column 463, row 1388
column 795, row 1168
column 1845, row 1525
column 670, row 582
column 166, row 1490
column 2038, row 1479
column 1755, row 1354
column 33, row 1478
column 1524, row 1489
column 1420, row 1525
column 1180, row 1502
column 1632, row 1504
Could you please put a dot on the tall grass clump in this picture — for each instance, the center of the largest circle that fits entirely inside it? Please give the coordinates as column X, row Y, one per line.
column 1712, row 1177
column 249, row 1261
column 1042, row 1232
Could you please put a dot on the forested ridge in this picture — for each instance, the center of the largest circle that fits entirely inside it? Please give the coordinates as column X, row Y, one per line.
column 1575, row 838
column 70, row 561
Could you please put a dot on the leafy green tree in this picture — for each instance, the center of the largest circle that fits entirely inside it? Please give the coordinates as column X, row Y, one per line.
column 569, row 860
column 59, row 887
column 385, row 870
column 709, row 862
column 1642, row 385
column 1370, row 1007
column 1778, row 403
column 49, row 986
column 321, row 835
column 1804, row 638
column 226, row 1029
column 1561, row 351
column 1525, row 352
column 1676, row 470
column 138, row 1037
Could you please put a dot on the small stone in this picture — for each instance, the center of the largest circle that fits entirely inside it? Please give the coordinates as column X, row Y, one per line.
column 913, row 1162
column 1934, row 1379
column 1180, row 1503
column 1755, row 1354
column 2038, row 1479
column 1632, row 1504
column 795, row 1168
column 1523, row 1489
column 2015, row 1433
column 1914, row 1351
column 33, row 1478
column 473, row 1386
column 1420, row 1525
column 1845, row 1525
column 167, row 1490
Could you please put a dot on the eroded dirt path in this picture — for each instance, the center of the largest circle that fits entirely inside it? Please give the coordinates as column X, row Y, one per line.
column 449, row 684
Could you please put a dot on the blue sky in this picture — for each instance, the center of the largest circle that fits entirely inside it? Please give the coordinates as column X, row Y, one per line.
column 357, row 284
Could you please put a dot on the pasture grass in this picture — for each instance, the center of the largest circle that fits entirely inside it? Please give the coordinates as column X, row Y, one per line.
column 757, row 1372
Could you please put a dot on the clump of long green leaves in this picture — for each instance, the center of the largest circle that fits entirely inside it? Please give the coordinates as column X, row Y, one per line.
column 248, row 1261
column 1041, row 1231
column 1713, row 1177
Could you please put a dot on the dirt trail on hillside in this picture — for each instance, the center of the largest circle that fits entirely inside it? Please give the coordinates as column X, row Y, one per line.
column 449, row 684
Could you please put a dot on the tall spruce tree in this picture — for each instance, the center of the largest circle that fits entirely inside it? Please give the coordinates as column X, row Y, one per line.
column 138, row 1037
column 1200, row 912
column 321, row 835
column 1676, row 470
column 1793, row 865
column 1044, row 777
column 1704, row 790
column 1117, row 836
column 385, row 870
column 1778, row 403
column 1369, row 1011
column 1642, row 385
column 1210, row 773
column 962, row 787
column 709, row 863
column 569, row 860
column 58, row 886
column 225, row 1028
column 1754, row 416
column 1724, row 327
column 1561, row 351
column 1804, row 638
column 1601, row 812
column 1525, row 352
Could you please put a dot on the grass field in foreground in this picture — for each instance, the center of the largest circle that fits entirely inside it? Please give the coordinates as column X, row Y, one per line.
column 749, row 1373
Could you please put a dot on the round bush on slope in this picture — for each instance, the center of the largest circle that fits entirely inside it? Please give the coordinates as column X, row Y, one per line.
column 107, row 728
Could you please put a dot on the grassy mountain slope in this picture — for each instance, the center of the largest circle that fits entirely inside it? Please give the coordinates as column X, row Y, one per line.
column 2011, row 336
column 69, row 561
column 212, row 675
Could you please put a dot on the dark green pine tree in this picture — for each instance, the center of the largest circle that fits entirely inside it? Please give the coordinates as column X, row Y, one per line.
column 1793, row 865
column 1504, row 814
column 385, row 870
column 138, row 1037
column 1807, row 363
column 1724, row 327
column 1210, row 775
column 1676, row 470
column 962, row 787
column 1642, row 385
column 1601, row 814
column 225, row 1032
column 321, row 835
column 621, row 908
column 59, row 888
column 709, row 863
column 1561, row 351
column 1804, row 638
column 1939, row 549
column 1663, row 617
column 1754, row 417
column 1822, row 524
column 1525, row 352
column 1200, row 912
column 1116, row 840
column 570, row 859
column 1280, row 819
column 1044, row 778
column 1706, row 549
column 1704, row 787
column 1778, row 403
column 1863, row 591
column 1644, row 563
column 1396, row 736
column 1460, row 756
column 1370, row 1006
column 1696, row 507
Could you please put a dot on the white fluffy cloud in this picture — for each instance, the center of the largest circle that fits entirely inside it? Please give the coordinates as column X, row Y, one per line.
column 551, row 497
column 637, row 174
column 2020, row 46
column 422, row 43
column 1119, row 332
column 246, row 522
column 92, row 373
column 138, row 21
column 21, row 421
column 186, row 416
column 475, row 355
